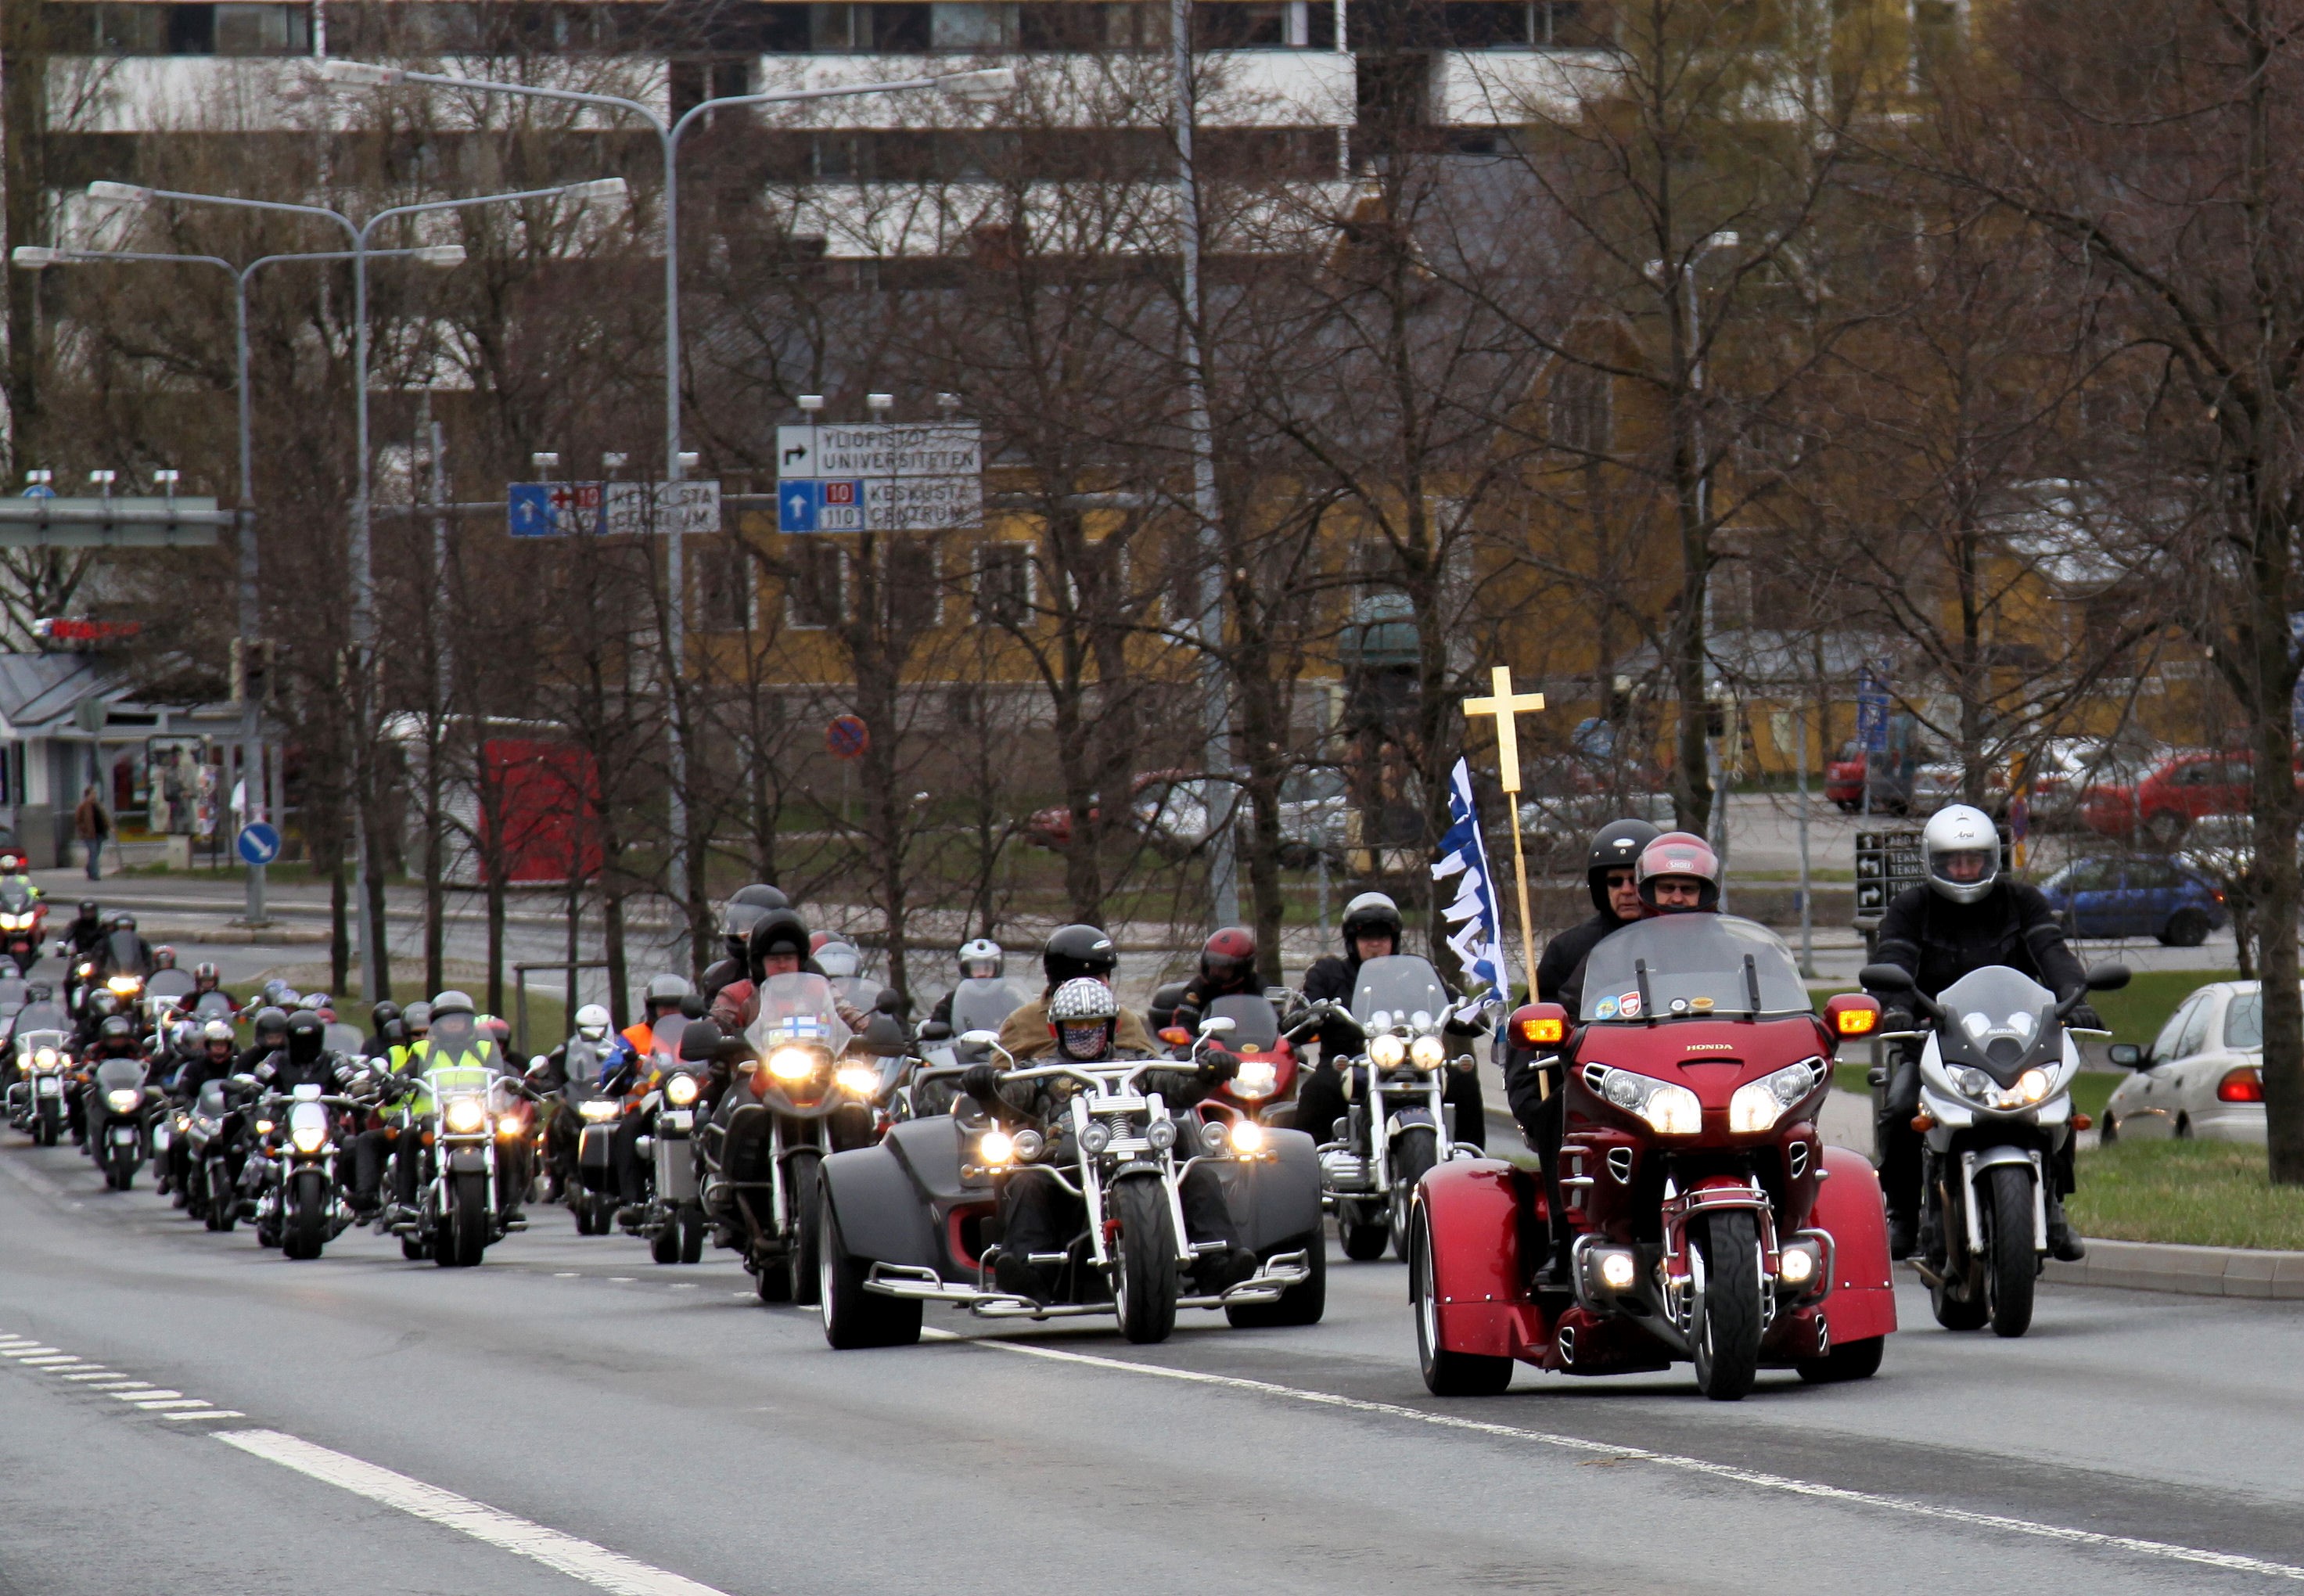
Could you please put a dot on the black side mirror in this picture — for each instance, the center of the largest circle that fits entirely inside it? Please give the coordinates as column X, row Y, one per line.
column 2128, row 1055
column 1884, row 978
column 692, row 1006
column 2107, row 977
column 701, row 1041
column 888, row 1001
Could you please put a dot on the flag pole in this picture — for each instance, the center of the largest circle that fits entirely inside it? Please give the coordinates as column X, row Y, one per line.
column 1506, row 707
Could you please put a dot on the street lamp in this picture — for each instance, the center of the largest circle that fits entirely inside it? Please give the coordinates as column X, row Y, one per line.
column 979, row 86
column 363, row 572
column 36, row 258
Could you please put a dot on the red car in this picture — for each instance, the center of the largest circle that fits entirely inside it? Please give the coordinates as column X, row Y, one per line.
column 2161, row 806
column 1163, row 814
column 1844, row 778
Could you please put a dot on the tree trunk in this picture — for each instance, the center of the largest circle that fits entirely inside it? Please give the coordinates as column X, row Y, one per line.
column 23, row 171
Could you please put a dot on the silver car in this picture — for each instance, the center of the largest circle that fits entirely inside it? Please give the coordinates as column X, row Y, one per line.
column 2202, row 1076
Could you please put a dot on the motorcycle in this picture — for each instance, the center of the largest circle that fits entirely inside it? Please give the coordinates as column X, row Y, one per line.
column 672, row 1218
column 299, row 1202
column 1997, row 1060
column 1267, row 1062
column 1707, row 1222
column 913, row 1220
column 23, row 924
column 1399, row 1124
column 120, row 1108
column 798, row 1100
column 215, row 1150
column 41, row 1040
column 457, row 1218
column 980, row 1003
column 584, row 1150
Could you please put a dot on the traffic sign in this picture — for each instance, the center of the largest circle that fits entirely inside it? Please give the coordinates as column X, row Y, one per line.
column 40, row 490
column 847, row 737
column 914, row 477
column 258, row 843
column 1872, row 706
column 612, row 509
column 552, row 509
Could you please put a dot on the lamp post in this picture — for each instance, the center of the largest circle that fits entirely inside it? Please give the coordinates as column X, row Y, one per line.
column 363, row 572
column 985, row 84
column 36, row 258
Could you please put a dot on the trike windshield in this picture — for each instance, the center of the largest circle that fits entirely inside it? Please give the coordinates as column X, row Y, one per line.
column 1692, row 966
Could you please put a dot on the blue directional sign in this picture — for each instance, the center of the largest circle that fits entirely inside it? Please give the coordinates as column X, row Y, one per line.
column 797, row 500
column 552, row 509
column 1872, row 706
column 258, row 843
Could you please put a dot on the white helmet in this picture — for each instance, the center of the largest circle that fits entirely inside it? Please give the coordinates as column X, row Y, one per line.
column 979, row 952
column 592, row 1022
column 839, row 959
column 1959, row 831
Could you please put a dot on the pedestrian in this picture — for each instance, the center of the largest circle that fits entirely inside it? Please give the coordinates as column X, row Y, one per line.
column 92, row 826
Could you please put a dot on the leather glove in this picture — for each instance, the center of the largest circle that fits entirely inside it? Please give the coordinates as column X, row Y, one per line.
column 1218, row 1067
column 982, row 1082
column 1896, row 1019
column 2085, row 1018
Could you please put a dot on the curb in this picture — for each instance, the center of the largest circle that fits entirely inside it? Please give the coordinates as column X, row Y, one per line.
column 2193, row 1271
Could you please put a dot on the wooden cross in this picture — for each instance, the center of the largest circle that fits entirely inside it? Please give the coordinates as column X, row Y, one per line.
column 1507, row 707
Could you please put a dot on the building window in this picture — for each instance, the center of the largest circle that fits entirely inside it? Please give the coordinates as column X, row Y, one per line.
column 261, row 30
column 723, row 585
column 1004, row 584
column 1232, row 25
column 1581, row 417
column 915, row 587
column 815, row 587
column 972, row 26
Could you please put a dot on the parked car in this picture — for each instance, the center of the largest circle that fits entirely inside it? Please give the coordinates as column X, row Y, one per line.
column 1941, row 781
column 1166, row 809
column 2159, row 806
column 2109, row 896
column 1843, row 777
column 1557, row 830
column 2202, row 1076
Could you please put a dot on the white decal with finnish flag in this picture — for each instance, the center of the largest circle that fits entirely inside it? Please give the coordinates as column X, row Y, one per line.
column 1477, row 939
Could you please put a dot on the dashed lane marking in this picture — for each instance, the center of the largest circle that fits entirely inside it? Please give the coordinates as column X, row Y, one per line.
column 579, row 1559
column 2169, row 1551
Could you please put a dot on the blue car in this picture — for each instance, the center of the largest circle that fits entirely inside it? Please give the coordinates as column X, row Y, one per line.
column 2108, row 896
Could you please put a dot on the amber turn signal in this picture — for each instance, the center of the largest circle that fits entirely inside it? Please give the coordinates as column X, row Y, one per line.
column 1538, row 1032
column 2081, row 1122
column 1175, row 1036
column 1924, row 1123
column 1858, row 1022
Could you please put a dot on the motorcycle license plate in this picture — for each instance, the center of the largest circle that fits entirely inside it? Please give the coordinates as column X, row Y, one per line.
column 160, row 1140
column 47, row 1086
column 122, row 1136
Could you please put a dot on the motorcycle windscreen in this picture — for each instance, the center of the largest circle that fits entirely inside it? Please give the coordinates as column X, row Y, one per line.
column 124, row 954
column 174, row 986
column 663, row 1039
column 1689, row 966
column 37, row 1017
column 798, row 1010
column 584, row 1062
column 1397, row 989
column 212, row 1006
column 983, row 1003
column 1255, row 1023
column 341, row 1038
column 15, row 894
column 211, row 1100
column 2000, row 1020
column 114, row 1073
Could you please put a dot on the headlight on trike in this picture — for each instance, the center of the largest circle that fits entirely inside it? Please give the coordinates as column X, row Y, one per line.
column 465, row 1115
column 1757, row 1104
column 1670, row 1110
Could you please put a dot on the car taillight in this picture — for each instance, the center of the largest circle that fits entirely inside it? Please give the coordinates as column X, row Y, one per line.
column 2241, row 1085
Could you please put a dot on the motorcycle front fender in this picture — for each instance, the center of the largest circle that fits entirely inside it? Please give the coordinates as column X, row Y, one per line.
column 467, row 1160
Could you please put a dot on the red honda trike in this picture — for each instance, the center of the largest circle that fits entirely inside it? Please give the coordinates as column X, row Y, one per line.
column 1708, row 1222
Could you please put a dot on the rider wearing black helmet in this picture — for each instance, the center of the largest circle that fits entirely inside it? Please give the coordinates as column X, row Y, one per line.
column 81, row 937
column 1608, row 873
column 1371, row 931
column 390, row 1030
column 270, row 1033
column 1227, row 970
column 1072, row 951
column 743, row 910
column 305, row 1060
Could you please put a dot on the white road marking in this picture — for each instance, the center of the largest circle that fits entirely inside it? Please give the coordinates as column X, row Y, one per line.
column 209, row 1413
column 579, row 1559
column 178, row 1401
column 94, row 1374
column 146, row 1395
column 33, row 1351
column 2167, row 1550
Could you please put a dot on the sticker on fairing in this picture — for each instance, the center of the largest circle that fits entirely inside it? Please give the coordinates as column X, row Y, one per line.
column 1629, row 1005
column 1606, row 1009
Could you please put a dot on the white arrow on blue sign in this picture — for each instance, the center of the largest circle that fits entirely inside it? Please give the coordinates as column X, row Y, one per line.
column 258, row 843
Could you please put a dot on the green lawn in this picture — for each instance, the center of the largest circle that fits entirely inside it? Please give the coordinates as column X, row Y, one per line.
column 2090, row 1087
column 2139, row 1009
column 2200, row 1193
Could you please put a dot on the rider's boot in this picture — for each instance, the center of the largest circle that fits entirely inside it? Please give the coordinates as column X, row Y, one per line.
column 1903, row 1236
column 2064, row 1242
column 1014, row 1275
column 1219, row 1272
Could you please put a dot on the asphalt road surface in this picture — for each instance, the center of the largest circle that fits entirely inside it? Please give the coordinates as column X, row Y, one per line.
column 184, row 1412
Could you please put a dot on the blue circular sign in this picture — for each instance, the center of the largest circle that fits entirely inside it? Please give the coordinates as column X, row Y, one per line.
column 258, row 843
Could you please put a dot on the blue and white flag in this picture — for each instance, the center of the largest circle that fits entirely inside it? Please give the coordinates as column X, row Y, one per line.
column 1477, row 939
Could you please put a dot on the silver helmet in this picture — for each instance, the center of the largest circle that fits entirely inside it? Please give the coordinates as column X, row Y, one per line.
column 1955, row 835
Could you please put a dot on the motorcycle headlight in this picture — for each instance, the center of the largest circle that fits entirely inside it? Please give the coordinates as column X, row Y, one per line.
column 264, row 1127
column 860, row 1079
column 123, row 1099
column 1095, row 1139
column 996, row 1147
column 1386, row 1052
column 1974, row 1083
column 465, row 1115
column 1160, row 1135
column 307, row 1127
column 46, row 1059
column 2032, row 1085
column 1029, row 1145
column 1247, row 1137
column 792, row 1064
column 122, row 985
column 1757, row 1104
column 680, row 1090
column 1427, row 1052
column 1258, row 1079
column 596, row 1109
column 1669, row 1110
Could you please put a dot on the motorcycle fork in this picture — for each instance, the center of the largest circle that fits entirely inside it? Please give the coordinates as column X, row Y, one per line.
column 1091, row 1186
column 1682, row 1267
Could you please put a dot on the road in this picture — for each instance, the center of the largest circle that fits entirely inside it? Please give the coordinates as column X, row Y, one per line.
column 570, row 1417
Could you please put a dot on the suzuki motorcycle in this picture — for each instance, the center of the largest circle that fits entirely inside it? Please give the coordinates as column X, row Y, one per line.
column 800, row 1097
column 120, row 1107
column 1707, row 1221
column 1400, row 1123
column 914, row 1220
column 1997, row 1068
column 23, row 924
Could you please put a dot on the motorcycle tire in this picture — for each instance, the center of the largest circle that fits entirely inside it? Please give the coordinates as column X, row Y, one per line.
column 412, row 1248
column 663, row 1246
column 1300, row 1305
column 1446, row 1373
column 582, row 1209
column 1726, row 1335
column 224, row 1213
column 772, row 1282
column 1144, row 1277
column 2013, row 1268
column 691, row 1236
column 465, row 1232
column 804, row 1192
column 1853, row 1360
column 308, row 1214
column 853, row 1317
column 604, row 1213
column 1416, row 1151
column 1363, row 1239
